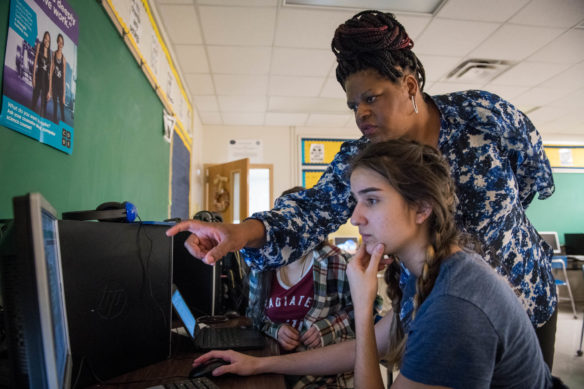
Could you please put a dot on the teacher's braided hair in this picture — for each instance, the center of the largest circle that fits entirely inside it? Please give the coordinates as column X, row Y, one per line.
column 373, row 39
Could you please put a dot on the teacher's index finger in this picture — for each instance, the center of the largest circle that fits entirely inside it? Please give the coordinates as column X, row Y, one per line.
column 182, row 226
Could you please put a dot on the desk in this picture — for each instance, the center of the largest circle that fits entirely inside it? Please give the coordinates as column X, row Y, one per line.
column 179, row 365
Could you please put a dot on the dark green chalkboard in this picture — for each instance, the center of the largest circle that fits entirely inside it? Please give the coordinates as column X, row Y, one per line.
column 119, row 152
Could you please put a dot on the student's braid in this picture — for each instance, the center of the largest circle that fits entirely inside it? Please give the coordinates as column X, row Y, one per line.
column 373, row 39
column 443, row 233
column 421, row 176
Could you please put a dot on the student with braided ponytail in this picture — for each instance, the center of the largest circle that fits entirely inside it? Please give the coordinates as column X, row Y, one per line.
column 466, row 329
column 495, row 155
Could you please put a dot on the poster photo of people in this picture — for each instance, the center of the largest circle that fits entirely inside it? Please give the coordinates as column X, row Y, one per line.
column 40, row 71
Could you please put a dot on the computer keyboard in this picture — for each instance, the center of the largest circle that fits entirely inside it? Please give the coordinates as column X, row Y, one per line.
column 189, row 383
column 229, row 338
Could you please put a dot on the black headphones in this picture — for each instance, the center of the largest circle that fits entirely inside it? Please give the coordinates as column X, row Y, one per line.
column 209, row 217
column 125, row 212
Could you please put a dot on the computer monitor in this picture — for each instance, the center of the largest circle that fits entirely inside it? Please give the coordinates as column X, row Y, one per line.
column 347, row 243
column 551, row 238
column 34, row 298
column 574, row 243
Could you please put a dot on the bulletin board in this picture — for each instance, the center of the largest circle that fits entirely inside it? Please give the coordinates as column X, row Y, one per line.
column 319, row 151
column 570, row 158
column 180, row 172
column 315, row 155
column 137, row 27
column 310, row 177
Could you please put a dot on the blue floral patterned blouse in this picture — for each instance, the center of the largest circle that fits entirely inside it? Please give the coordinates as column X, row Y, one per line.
column 498, row 163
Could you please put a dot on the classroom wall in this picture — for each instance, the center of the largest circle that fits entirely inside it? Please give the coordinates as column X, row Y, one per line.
column 564, row 210
column 119, row 153
column 280, row 147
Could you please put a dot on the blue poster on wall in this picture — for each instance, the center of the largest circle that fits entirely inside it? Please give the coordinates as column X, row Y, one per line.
column 40, row 71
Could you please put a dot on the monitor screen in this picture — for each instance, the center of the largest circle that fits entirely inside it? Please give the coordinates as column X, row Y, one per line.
column 574, row 243
column 347, row 243
column 181, row 308
column 33, row 293
column 55, row 284
column 551, row 238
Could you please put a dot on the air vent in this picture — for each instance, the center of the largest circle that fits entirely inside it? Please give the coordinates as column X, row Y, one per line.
column 478, row 70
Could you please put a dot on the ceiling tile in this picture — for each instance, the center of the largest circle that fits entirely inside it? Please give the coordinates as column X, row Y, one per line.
column 239, row 60
column 200, row 84
column 279, row 57
column 569, row 79
column 481, row 10
column 192, row 59
column 242, row 103
column 439, row 88
column 251, row 26
column 538, row 97
column 414, row 24
column 299, row 62
column 303, row 28
column 322, row 120
column 528, row 74
column 332, row 88
column 507, row 92
column 181, row 23
column 570, row 123
column 210, row 117
column 545, row 114
column 243, row 118
column 571, row 100
column 526, row 40
column 452, row 37
column 556, row 13
column 285, row 119
column 303, row 104
column 241, row 85
column 568, row 48
column 206, row 103
column 437, row 67
column 295, row 86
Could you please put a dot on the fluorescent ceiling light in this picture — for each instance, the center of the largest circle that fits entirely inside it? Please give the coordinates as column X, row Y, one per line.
column 406, row 6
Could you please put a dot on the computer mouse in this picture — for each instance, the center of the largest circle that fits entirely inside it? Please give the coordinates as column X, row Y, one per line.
column 206, row 369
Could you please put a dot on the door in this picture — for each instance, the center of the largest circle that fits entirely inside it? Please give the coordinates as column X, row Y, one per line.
column 226, row 190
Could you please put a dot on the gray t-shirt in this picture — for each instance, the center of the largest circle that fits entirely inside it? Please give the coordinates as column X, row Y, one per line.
column 472, row 332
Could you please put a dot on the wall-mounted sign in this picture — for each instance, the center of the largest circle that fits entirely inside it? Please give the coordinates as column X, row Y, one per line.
column 245, row 148
column 40, row 71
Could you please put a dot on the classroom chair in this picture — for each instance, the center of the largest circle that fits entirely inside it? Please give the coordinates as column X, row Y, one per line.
column 579, row 352
column 560, row 262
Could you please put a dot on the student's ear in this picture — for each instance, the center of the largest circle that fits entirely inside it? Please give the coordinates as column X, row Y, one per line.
column 423, row 212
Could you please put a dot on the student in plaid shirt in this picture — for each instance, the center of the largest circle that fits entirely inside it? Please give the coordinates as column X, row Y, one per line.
column 305, row 304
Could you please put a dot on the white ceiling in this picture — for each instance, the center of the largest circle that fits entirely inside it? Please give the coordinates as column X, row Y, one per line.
column 260, row 62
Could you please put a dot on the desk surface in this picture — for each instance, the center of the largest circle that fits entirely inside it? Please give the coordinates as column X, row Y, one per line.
column 178, row 367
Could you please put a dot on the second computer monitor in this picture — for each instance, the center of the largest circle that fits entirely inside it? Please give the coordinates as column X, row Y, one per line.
column 574, row 244
column 551, row 238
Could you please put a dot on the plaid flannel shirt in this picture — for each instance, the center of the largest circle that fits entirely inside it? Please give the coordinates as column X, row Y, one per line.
column 331, row 311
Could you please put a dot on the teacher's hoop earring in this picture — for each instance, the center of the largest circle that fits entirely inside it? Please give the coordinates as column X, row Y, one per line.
column 414, row 104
